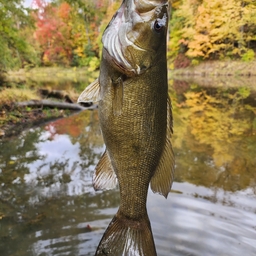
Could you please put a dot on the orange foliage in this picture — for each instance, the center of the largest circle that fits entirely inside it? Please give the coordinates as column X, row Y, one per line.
column 64, row 11
column 213, row 29
column 53, row 32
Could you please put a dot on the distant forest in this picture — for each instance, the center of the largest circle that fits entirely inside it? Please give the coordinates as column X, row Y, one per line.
column 68, row 33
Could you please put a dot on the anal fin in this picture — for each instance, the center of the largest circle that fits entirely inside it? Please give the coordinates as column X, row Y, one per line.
column 104, row 176
column 91, row 93
column 163, row 177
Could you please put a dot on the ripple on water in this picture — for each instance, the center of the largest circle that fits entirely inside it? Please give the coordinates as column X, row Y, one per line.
column 188, row 225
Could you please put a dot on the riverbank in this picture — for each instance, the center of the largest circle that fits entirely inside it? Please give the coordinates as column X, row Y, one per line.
column 218, row 74
column 218, row 68
column 23, row 108
column 52, row 75
column 25, row 85
column 46, row 93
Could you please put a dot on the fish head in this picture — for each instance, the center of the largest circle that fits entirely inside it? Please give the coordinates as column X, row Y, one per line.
column 135, row 38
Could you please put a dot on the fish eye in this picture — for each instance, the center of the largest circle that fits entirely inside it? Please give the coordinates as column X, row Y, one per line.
column 158, row 26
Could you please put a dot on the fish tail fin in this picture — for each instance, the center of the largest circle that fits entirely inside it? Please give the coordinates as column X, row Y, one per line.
column 126, row 237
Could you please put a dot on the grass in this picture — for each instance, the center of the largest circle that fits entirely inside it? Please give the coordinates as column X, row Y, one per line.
column 51, row 74
column 23, row 85
column 12, row 95
column 9, row 114
column 14, row 119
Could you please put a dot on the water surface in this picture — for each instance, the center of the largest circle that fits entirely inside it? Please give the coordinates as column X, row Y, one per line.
column 48, row 205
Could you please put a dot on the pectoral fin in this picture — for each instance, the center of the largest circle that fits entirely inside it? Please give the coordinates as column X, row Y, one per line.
column 163, row 177
column 118, row 96
column 104, row 176
column 91, row 93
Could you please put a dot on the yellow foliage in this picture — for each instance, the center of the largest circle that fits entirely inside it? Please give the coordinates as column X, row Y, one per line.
column 46, row 60
column 79, row 51
column 94, row 64
column 176, row 3
column 215, row 27
column 213, row 117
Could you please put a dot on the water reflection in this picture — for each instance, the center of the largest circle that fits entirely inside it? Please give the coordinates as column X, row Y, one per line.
column 46, row 182
column 58, row 156
column 215, row 132
column 55, row 79
column 48, row 205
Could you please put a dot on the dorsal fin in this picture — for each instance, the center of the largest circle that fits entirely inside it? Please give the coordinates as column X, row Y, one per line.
column 162, row 179
column 91, row 93
column 104, row 176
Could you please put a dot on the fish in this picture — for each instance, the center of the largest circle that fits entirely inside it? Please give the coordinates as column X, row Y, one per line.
column 136, row 122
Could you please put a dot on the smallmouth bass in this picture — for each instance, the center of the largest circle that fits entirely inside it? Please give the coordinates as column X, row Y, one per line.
column 136, row 121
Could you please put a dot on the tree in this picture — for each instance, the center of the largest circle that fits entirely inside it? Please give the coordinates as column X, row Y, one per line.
column 214, row 29
column 88, row 23
column 14, row 50
column 53, row 32
column 68, row 31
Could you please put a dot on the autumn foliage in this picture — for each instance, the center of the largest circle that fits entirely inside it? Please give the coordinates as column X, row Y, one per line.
column 53, row 32
column 215, row 29
column 68, row 33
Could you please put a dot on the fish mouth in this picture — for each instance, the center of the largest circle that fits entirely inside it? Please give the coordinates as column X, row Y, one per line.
column 115, row 40
column 120, row 40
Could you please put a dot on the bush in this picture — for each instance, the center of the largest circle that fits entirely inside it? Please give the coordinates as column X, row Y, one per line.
column 249, row 55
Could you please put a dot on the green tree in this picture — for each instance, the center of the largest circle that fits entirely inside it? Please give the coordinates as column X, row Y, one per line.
column 14, row 50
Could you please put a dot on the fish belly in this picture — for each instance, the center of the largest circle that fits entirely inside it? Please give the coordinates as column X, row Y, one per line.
column 135, row 138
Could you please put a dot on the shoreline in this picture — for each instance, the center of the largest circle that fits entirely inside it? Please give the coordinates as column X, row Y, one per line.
column 218, row 74
column 206, row 74
column 219, row 68
column 206, row 68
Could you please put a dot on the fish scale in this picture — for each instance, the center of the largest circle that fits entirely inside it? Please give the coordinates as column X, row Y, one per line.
column 136, row 122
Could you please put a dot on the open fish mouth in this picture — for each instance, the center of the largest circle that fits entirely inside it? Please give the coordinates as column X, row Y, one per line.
column 110, row 39
column 115, row 40
column 120, row 38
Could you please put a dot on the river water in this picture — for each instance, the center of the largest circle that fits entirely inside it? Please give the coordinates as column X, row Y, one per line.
column 48, row 205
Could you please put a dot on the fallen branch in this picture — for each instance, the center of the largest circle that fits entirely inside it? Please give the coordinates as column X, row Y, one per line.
column 58, row 94
column 53, row 104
